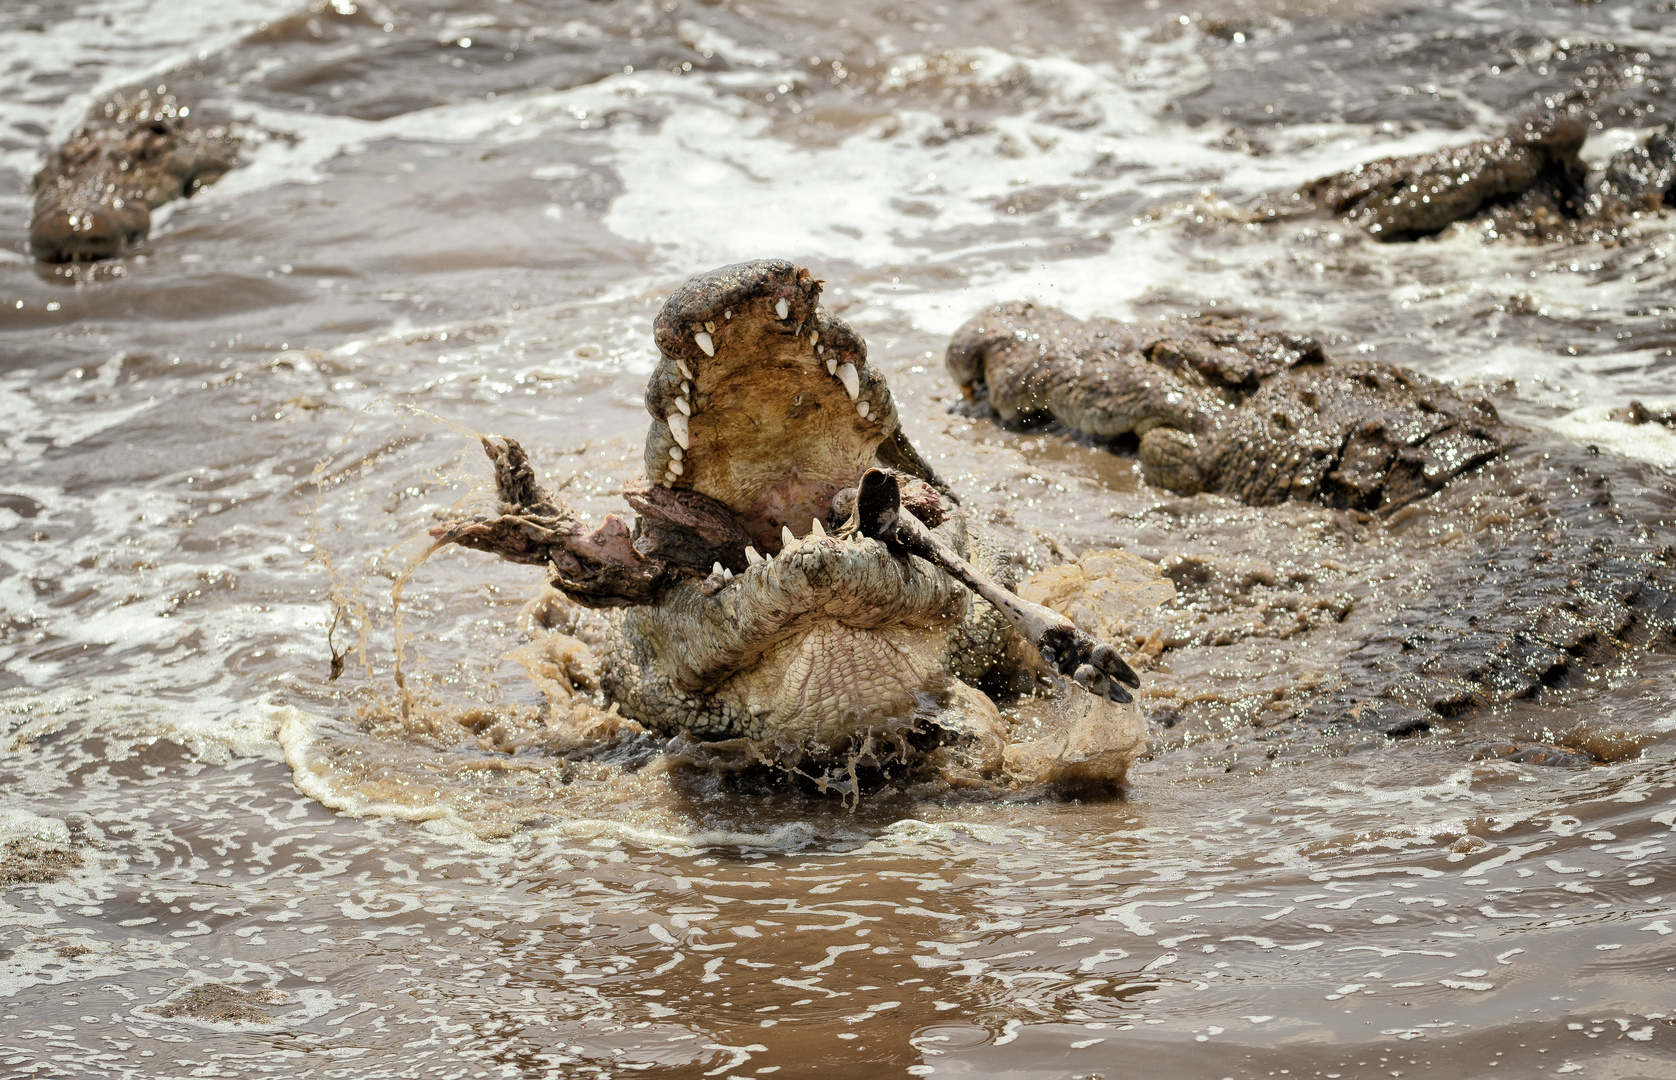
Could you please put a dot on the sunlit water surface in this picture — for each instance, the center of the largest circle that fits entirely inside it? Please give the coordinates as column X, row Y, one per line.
column 475, row 209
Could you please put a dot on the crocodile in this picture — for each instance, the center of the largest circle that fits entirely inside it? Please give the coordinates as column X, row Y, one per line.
column 135, row 152
column 1228, row 406
column 797, row 575
column 1558, row 563
column 1530, row 181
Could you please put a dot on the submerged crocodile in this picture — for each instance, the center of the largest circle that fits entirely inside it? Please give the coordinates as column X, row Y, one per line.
column 1228, row 407
column 95, row 194
column 797, row 575
column 1530, row 181
column 1547, row 573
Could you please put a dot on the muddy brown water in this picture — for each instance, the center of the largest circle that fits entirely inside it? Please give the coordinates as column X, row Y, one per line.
column 474, row 210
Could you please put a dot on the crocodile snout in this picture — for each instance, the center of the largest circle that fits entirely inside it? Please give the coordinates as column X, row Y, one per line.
column 82, row 229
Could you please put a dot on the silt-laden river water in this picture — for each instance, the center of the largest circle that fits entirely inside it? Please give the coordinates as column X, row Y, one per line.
column 221, row 449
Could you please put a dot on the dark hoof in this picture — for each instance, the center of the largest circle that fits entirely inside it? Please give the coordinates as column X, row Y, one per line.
column 1098, row 667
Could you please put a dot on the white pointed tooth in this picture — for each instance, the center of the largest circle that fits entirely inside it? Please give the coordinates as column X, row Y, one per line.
column 685, row 370
column 852, row 382
column 832, row 365
column 705, row 342
column 727, row 314
column 727, row 574
column 686, row 388
column 681, row 403
column 781, row 308
column 678, row 427
column 816, row 528
column 862, row 409
column 819, row 349
column 751, row 555
column 710, row 326
column 718, row 569
column 676, row 467
column 677, row 453
column 814, row 338
column 668, row 478
column 786, row 538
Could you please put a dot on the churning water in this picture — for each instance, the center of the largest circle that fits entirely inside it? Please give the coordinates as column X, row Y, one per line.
column 218, row 452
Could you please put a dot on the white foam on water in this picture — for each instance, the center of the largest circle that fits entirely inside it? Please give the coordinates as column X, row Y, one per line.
column 449, row 810
column 1651, row 442
column 1347, row 860
column 17, row 823
column 33, row 423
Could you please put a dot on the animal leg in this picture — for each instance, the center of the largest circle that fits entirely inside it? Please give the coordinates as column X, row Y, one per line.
column 597, row 567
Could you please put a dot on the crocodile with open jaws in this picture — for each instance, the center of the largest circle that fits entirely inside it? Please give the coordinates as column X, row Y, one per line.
column 797, row 575
column 137, row 151
column 1551, row 562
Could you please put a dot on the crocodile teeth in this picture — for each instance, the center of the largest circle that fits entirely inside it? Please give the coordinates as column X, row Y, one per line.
column 816, row 528
column 678, row 427
column 676, row 467
column 705, row 342
column 710, row 326
column 862, row 409
column 677, row 453
column 685, row 370
column 814, row 338
column 851, row 381
column 718, row 570
column 786, row 538
column 681, row 403
column 832, row 365
column 781, row 308
column 727, row 575
column 686, row 388
column 751, row 555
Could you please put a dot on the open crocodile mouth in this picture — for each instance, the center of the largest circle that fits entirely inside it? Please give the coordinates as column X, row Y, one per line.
column 763, row 401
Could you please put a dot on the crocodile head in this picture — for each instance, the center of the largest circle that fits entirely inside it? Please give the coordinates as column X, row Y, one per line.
column 765, row 411
column 95, row 194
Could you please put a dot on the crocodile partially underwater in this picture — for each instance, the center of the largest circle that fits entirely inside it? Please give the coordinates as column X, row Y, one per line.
column 133, row 153
column 798, row 577
column 1531, row 181
column 1536, row 570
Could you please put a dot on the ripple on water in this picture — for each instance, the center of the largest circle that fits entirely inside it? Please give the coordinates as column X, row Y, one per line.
column 177, row 896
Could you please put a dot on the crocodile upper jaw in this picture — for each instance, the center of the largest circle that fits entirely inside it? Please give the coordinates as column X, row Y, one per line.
column 762, row 400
